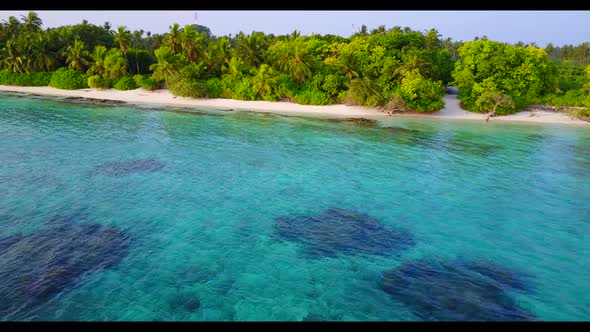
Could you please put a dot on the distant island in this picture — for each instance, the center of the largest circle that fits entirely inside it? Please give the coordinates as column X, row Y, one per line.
column 383, row 71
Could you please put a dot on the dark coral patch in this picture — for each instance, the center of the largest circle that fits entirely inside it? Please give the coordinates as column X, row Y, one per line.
column 456, row 291
column 457, row 145
column 400, row 130
column 36, row 267
column 342, row 231
column 185, row 301
column 121, row 168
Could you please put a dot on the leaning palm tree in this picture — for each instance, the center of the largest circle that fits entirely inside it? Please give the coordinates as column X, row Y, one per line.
column 77, row 56
column 263, row 80
column 122, row 37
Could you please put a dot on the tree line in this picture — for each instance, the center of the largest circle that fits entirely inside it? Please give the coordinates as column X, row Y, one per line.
column 396, row 69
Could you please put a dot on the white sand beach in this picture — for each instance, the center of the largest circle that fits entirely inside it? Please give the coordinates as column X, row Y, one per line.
column 163, row 97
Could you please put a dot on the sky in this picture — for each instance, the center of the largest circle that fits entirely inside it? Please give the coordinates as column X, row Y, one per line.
column 541, row 27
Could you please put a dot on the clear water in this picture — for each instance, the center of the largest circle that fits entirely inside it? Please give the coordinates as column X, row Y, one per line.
column 204, row 225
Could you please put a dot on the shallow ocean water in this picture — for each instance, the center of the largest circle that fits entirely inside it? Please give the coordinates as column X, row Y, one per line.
column 198, row 198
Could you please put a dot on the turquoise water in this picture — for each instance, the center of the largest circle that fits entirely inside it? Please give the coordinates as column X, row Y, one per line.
column 199, row 218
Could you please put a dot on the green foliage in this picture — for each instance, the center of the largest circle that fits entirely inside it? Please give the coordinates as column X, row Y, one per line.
column 68, row 79
column 366, row 92
column 571, row 76
column 125, row 83
column 187, row 87
column 242, row 90
column 98, row 82
column 140, row 61
column 25, row 79
column 312, row 97
column 263, row 82
column 522, row 73
column 77, row 56
column 168, row 65
column 146, row 82
column 495, row 102
column 213, row 87
column 115, row 65
column 571, row 98
column 421, row 94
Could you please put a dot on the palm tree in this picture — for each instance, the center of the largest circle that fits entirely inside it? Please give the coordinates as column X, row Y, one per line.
column 263, row 80
column 77, row 56
column 168, row 65
column 365, row 91
column 432, row 38
column 107, row 26
column 346, row 62
column 218, row 53
column 295, row 60
column 233, row 69
column 173, row 39
column 13, row 25
column 44, row 58
column 251, row 48
column 192, row 42
column 411, row 61
column 32, row 22
column 98, row 56
column 11, row 60
column 122, row 37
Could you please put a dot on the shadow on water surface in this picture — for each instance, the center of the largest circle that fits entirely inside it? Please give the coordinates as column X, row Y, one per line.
column 342, row 231
column 36, row 267
column 458, row 290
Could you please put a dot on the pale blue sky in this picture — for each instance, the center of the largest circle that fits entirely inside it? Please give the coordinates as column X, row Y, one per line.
column 542, row 27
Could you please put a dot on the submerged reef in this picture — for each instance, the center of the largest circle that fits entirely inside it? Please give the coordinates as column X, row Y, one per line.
column 342, row 231
column 457, row 290
column 35, row 267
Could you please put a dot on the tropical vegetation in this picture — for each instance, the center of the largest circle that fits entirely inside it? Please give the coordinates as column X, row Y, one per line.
column 396, row 69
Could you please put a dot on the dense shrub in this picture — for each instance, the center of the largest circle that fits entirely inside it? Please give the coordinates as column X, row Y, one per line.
column 312, row 97
column 146, row 82
column 98, row 82
column 571, row 98
column 188, row 88
column 421, row 94
column 64, row 78
column 242, row 90
column 125, row 83
column 213, row 87
column 522, row 73
column 25, row 79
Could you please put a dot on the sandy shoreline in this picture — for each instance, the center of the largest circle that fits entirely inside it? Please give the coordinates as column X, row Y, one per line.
column 452, row 109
